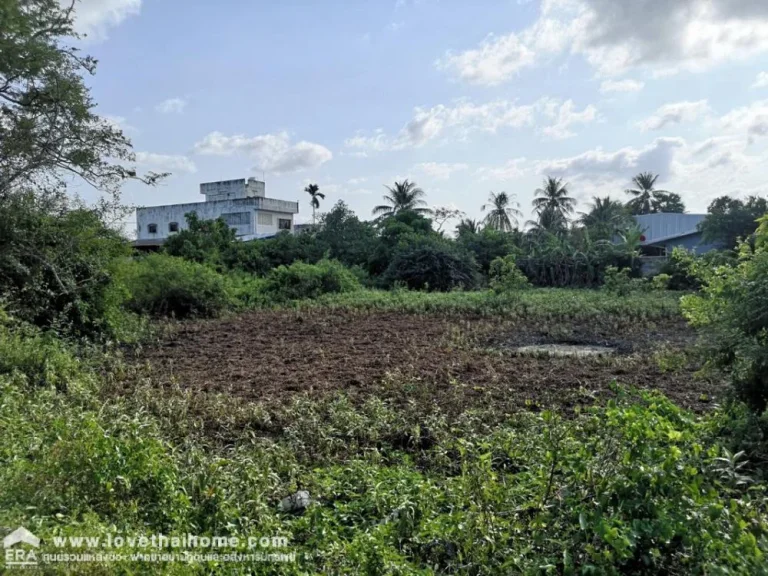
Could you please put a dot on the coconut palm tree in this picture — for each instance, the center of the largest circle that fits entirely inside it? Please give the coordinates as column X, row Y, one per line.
column 643, row 193
column 467, row 226
column 554, row 197
column 606, row 217
column 403, row 196
column 549, row 219
column 503, row 212
column 314, row 191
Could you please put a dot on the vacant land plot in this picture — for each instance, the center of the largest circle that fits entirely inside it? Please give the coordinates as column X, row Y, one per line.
column 450, row 360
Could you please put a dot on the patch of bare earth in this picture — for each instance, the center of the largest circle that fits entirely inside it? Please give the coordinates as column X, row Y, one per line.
column 454, row 362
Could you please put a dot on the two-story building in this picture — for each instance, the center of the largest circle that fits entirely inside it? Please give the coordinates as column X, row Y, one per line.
column 242, row 204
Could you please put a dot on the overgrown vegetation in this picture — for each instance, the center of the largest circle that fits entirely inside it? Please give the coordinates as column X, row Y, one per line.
column 94, row 444
column 733, row 308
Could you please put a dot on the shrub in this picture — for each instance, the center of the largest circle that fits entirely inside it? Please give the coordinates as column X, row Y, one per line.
column 55, row 260
column 660, row 282
column 617, row 281
column 161, row 285
column 505, row 276
column 299, row 280
column 429, row 263
column 680, row 268
column 732, row 310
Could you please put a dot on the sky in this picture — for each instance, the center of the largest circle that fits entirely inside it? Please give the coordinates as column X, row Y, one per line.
column 463, row 98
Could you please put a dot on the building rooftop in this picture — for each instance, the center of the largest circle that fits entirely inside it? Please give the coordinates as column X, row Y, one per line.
column 665, row 226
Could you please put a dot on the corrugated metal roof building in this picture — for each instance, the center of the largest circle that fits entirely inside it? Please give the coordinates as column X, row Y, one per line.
column 663, row 231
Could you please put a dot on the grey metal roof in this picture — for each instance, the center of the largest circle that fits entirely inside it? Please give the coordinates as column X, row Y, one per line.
column 665, row 226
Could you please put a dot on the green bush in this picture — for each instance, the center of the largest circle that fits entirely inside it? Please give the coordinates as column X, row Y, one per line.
column 680, row 267
column 505, row 276
column 617, row 281
column 431, row 263
column 55, row 261
column 732, row 310
column 299, row 280
column 162, row 285
column 660, row 282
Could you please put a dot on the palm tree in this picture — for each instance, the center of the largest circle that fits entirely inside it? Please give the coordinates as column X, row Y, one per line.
column 467, row 226
column 314, row 191
column 503, row 212
column 554, row 197
column 403, row 196
column 549, row 219
column 643, row 193
column 606, row 217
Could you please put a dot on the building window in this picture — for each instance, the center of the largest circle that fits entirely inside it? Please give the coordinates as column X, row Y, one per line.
column 283, row 224
column 237, row 218
column 265, row 219
column 173, row 227
column 152, row 228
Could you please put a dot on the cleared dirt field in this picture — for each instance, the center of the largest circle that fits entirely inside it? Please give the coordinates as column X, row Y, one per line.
column 268, row 356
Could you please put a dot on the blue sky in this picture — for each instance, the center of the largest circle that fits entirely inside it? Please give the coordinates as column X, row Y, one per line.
column 462, row 97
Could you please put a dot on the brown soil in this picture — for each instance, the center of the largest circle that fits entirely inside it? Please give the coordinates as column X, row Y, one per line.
column 453, row 362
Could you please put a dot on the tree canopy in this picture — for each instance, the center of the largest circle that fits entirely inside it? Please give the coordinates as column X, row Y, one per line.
column 49, row 129
column 729, row 219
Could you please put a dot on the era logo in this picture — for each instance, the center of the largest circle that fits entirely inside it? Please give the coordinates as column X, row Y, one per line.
column 19, row 556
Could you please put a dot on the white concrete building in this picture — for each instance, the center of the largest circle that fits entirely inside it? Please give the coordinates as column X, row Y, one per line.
column 242, row 204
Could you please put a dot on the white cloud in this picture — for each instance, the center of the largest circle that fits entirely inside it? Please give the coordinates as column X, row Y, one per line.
column 511, row 169
column 615, row 36
column 621, row 164
column 272, row 152
column 94, row 17
column 395, row 26
column 565, row 116
column 761, row 81
column 357, row 181
column 166, row 162
column 621, row 86
column 440, row 170
column 172, row 106
column 751, row 120
column 675, row 113
column 462, row 118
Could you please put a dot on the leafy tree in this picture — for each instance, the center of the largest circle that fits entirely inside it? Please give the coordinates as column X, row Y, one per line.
column 667, row 202
column 489, row 244
column 401, row 228
column 503, row 212
column 648, row 200
column 606, row 218
column 345, row 237
column 431, row 263
column 403, row 196
column 57, row 255
column 729, row 219
column 554, row 199
column 48, row 127
column 314, row 191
